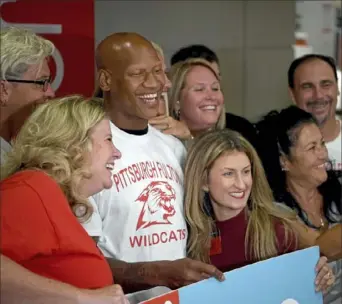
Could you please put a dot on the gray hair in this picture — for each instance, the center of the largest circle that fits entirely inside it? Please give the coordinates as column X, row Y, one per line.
column 21, row 48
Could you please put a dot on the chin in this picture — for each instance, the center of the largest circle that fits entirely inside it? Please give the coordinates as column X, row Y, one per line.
column 108, row 184
column 320, row 179
column 151, row 114
column 212, row 121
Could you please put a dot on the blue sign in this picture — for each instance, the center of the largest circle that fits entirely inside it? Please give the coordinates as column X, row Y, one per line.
column 287, row 279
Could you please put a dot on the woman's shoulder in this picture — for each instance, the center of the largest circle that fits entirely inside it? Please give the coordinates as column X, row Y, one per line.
column 26, row 176
column 32, row 189
column 35, row 180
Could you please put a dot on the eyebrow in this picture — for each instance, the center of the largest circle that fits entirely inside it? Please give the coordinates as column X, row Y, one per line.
column 326, row 81
column 321, row 81
column 314, row 142
column 44, row 77
column 305, row 83
column 204, row 83
column 226, row 168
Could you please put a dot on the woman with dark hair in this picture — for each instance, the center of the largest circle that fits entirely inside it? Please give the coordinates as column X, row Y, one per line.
column 296, row 161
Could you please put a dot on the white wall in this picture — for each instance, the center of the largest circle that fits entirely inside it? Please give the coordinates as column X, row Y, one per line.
column 315, row 17
column 253, row 40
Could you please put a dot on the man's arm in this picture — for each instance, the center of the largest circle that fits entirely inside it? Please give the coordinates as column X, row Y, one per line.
column 134, row 277
column 330, row 243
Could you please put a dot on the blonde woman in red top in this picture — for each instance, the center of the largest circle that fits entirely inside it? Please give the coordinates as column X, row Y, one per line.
column 62, row 155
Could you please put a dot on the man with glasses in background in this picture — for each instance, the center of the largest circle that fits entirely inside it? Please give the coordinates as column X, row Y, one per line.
column 25, row 80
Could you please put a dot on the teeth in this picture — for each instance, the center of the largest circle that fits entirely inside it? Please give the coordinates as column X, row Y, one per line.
column 209, row 108
column 149, row 96
column 321, row 166
column 237, row 194
column 110, row 166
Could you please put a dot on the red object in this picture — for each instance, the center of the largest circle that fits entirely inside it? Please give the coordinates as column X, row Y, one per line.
column 169, row 298
column 216, row 246
column 71, row 27
column 40, row 232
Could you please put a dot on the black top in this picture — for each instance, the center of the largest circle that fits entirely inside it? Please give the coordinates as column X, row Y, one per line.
column 244, row 127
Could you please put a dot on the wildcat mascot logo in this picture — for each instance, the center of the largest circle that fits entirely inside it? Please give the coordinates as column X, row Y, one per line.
column 158, row 200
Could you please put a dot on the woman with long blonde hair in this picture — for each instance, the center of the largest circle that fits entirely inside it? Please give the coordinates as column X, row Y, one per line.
column 229, row 206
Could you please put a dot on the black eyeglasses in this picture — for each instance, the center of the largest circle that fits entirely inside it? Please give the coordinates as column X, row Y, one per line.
column 43, row 83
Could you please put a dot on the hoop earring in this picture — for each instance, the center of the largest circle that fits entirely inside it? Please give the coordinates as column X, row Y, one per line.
column 177, row 114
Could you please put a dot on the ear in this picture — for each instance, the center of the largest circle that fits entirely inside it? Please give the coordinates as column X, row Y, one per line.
column 205, row 186
column 105, row 80
column 284, row 163
column 5, row 92
column 291, row 93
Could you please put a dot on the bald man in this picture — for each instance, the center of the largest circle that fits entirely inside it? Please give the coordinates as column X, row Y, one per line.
column 140, row 219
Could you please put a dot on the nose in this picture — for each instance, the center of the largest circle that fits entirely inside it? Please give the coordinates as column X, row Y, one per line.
column 168, row 83
column 210, row 94
column 50, row 92
column 239, row 182
column 151, row 81
column 322, row 153
column 116, row 152
column 318, row 93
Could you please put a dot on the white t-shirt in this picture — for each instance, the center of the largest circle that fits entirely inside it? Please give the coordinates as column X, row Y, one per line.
column 5, row 147
column 335, row 149
column 141, row 217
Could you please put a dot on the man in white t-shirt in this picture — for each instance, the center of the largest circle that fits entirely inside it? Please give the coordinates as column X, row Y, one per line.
column 313, row 86
column 140, row 219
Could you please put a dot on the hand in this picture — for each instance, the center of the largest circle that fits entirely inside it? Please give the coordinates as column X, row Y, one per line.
column 325, row 277
column 171, row 126
column 108, row 295
column 186, row 271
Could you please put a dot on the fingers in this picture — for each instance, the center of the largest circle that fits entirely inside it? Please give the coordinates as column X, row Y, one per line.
column 208, row 270
column 116, row 290
column 107, row 295
column 325, row 279
column 161, row 122
column 326, row 282
column 161, row 127
column 321, row 262
column 321, row 270
column 158, row 120
column 169, row 131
